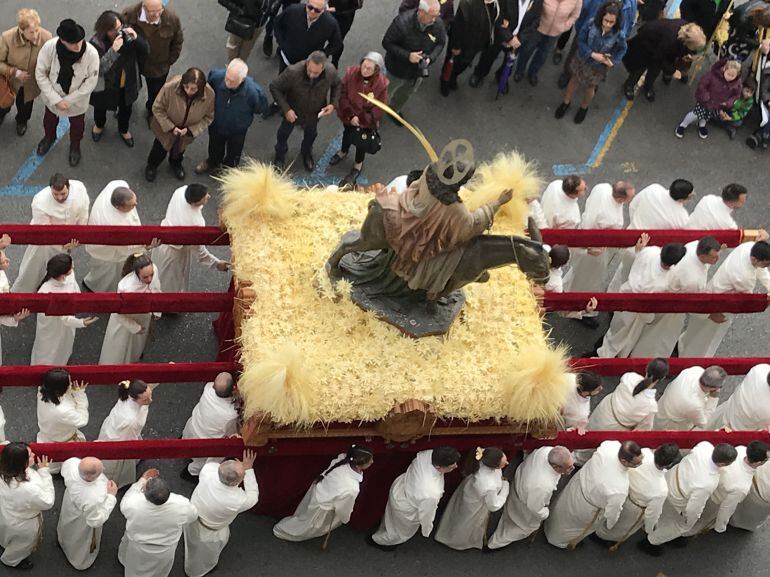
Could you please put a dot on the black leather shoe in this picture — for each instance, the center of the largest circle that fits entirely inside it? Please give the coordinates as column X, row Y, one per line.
column 628, row 91
column 308, row 162
column 444, row 88
column 350, row 179
column 267, row 46
column 557, row 56
column 128, row 141
column 372, row 543
column 336, row 159
column 150, row 173
column 646, row 547
column 580, row 115
column 279, row 163
column 475, row 81
column 74, row 156
column 44, row 146
column 533, row 80
column 561, row 110
column 178, row 171
column 96, row 136
column 21, row 128
column 649, row 94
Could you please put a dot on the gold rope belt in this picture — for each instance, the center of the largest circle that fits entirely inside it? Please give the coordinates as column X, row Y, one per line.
column 39, row 537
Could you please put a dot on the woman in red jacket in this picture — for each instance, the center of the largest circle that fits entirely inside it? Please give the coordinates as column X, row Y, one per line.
column 357, row 114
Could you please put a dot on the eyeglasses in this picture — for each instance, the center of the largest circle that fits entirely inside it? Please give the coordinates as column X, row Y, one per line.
column 310, row 8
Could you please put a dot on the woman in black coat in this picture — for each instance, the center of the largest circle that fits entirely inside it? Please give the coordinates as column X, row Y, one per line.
column 121, row 53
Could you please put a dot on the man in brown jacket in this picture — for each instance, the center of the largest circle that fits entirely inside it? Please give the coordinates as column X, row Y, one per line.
column 161, row 27
column 305, row 92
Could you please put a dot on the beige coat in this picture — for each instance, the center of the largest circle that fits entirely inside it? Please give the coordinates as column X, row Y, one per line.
column 17, row 53
column 86, row 75
column 169, row 112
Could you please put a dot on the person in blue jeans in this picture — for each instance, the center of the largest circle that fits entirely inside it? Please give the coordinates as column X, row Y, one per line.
column 557, row 17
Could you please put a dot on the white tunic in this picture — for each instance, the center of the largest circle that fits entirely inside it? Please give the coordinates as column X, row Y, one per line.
column 464, row 522
column 218, row 505
column 107, row 261
column 748, row 408
column 734, row 484
column 47, row 210
column 753, row 511
column 173, row 261
column 152, row 532
column 736, row 275
column 560, row 210
column 535, row 211
column 61, row 423
column 684, row 406
column 5, row 320
column 55, row 335
column 85, row 508
column 593, row 496
column 21, row 514
column 659, row 337
column 126, row 335
column 621, row 410
column 647, row 492
column 124, row 423
column 711, row 213
column 576, row 409
column 326, row 505
column 412, row 502
column 647, row 276
column 212, row 418
column 690, row 484
column 527, row 506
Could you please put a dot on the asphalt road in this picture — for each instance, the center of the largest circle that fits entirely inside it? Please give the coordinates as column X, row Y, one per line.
column 644, row 150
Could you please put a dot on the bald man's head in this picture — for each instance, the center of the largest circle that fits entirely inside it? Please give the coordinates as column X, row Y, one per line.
column 223, row 385
column 90, row 468
column 231, row 473
column 560, row 459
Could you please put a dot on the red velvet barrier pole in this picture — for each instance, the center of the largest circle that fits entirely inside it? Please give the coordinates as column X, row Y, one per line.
column 659, row 302
column 147, row 449
column 114, row 235
column 685, row 439
column 616, row 367
column 59, row 304
column 626, row 238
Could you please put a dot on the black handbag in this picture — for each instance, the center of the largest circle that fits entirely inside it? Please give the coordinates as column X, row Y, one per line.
column 367, row 139
column 240, row 26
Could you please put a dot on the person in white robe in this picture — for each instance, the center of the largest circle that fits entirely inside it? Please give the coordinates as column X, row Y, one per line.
column 689, row 401
column 594, row 496
column 650, row 273
column 62, row 410
column 155, row 519
column 55, row 335
column 577, row 406
column 329, row 501
column 753, row 512
column 86, row 506
column 5, row 287
column 414, row 498
column 115, row 206
column 560, row 202
column 690, row 275
column 535, row 212
column 26, row 490
column 534, row 483
column 214, row 417
column 126, row 335
column 740, row 272
column 735, row 482
column 716, row 213
column 559, row 256
column 125, row 423
column 647, row 492
column 748, row 408
column 654, row 207
column 218, row 500
column 173, row 261
column 588, row 269
column 690, row 484
column 465, row 522
column 62, row 202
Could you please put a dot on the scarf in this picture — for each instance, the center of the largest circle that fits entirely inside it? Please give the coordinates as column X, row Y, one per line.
column 67, row 60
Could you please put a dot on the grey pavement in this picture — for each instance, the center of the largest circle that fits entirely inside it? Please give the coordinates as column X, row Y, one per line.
column 645, row 150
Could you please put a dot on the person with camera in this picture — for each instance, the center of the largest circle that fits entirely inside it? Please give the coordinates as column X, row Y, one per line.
column 412, row 43
column 121, row 52
column 245, row 21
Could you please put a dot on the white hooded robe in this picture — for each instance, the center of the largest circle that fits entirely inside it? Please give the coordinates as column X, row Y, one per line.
column 55, row 335
column 684, row 406
column 748, row 408
column 560, row 210
column 711, row 213
column 61, row 423
column 212, row 418
column 124, row 423
column 753, row 511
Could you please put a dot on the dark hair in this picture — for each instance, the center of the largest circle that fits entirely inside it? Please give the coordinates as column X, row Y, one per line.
column 571, row 183
column 412, row 176
column 672, row 253
column 193, row 76
column 732, row 192
column 629, row 450
column 356, row 455
column 195, row 192
column 761, row 250
column 446, row 193
column 135, row 263
column 656, row 370
column 707, row 244
column 58, row 181
column 120, row 196
column 724, row 454
column 588, row 381
column 756, row 451
column 106, row 23
column 680, row 189
column 620, row 189
column 56, row 266
column 13, row 462
column 491, row 457
column 156, row 491
column 55, row 385
column 611, row 7
column 444, row 456
column 750, row 83
column 133, row 388
column 559, row 254
column 666, row 455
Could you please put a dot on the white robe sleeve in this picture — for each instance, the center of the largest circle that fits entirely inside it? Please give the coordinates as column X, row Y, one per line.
column 252, row 491
column 343, row 506
column 133, row 495
column 538, row 500
column 44, row 495
column 128, row 323
column 652, row 513
column 427, row 514
column 701, row 417
column 695, row 505
column 613, row 509
column 726, row 510
column 96, row 514
column 192, row 514
column 763, row 277
column 8, row 321
column 206, row 258
column 77, row 415
column 494, row 500
column 646, row 423
column 73, row 322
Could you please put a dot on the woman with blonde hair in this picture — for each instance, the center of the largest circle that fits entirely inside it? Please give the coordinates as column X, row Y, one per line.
column 19, row 47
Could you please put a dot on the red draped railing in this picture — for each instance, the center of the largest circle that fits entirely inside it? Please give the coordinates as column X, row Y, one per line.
column 114, row 235
column 624, row 238
column 616, row 367
column 659, row 302
column 58, row 304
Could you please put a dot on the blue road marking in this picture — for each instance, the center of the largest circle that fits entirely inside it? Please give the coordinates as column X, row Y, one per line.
column 318, row 177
